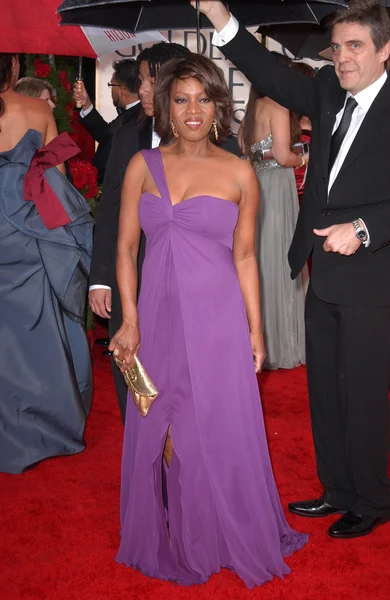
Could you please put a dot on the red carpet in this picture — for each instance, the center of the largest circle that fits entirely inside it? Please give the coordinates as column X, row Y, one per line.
column 59, row 522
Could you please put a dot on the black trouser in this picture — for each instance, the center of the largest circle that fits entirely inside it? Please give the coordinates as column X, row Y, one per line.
column 348, row 359
column 114, row 324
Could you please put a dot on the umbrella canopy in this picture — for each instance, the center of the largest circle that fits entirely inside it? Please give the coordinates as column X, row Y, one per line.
column 302, row 40
column 137, row 15
column 33, row 28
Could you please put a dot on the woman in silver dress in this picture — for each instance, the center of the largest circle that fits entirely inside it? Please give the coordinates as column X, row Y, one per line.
column 266, row 138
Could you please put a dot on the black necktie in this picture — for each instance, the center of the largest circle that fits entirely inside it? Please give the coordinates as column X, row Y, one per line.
column 341, row 131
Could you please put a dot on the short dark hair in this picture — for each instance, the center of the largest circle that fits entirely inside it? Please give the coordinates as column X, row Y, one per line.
column 126, row 73
column 159, row 54
column 365, row 12
column 210, row 76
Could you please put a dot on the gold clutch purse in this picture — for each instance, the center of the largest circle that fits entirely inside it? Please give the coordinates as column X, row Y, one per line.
column 140, row 385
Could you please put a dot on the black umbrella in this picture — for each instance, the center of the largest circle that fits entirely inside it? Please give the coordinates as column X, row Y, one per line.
column 138, row 15
column 301, row 39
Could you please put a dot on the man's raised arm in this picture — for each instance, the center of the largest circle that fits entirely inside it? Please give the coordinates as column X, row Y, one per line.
column 285, row 86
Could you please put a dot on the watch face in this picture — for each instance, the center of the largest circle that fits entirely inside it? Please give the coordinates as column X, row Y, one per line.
column 362, row 235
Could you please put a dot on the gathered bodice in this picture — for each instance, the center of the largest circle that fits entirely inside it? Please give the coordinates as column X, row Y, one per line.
column 207, row 216
column 256, row 158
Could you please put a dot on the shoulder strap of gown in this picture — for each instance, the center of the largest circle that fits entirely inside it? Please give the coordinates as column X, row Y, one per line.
column 155, row 164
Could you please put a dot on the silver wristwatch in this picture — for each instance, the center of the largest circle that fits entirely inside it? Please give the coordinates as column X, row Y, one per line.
column 360, row 231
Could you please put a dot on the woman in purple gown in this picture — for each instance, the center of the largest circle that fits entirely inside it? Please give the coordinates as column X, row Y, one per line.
column 198, row 492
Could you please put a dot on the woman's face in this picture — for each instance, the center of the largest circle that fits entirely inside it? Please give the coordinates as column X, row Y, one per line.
column 192, row 112
column 45, row 95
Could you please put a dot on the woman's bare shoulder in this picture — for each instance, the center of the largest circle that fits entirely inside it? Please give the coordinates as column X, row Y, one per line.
column 35, row 106
column 137, row 166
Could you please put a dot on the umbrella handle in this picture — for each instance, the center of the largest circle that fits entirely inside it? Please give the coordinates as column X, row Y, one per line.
column 197, row 27
column 79, row 76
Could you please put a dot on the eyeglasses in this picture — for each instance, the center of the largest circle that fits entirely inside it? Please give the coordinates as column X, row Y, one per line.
column 114, row 84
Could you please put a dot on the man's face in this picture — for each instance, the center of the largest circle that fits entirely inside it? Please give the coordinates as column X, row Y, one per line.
column 146, row 88
column 116, row 94
column 357, row 61
column 45, row 95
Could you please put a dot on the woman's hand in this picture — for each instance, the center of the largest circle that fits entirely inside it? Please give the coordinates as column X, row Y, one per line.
column 258, row 349
column 125, row 344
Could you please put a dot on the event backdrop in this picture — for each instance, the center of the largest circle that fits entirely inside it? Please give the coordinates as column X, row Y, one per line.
column 237, row 83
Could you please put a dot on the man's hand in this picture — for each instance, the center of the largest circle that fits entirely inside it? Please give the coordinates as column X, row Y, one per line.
column 100, row 302
column 215, row 11
column 80, row 95
column 340, row 239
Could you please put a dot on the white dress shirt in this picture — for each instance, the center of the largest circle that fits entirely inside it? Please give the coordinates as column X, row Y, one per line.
column 155, row 142
column 155, row 138
column 364, row 99
column 227, row 33
column 84, row 113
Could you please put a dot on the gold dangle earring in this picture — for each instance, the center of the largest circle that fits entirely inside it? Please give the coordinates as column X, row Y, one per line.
column 174, row 130
column 215, row 129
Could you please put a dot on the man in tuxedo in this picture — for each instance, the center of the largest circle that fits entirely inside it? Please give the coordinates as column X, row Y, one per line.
column 124, row 94
column 344, row 223
column 135, row 133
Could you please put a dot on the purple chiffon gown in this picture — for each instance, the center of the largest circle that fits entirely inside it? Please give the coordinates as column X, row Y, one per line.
column 217, row 505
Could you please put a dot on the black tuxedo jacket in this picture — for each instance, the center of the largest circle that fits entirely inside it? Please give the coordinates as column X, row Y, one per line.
column 102, row 132
column 126, row 142
column 361, row 189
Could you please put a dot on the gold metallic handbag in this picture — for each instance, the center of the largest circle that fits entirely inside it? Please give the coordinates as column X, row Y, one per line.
column 140, row 385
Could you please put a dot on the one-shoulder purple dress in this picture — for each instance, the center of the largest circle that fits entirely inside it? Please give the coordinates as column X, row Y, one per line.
column 217, row 505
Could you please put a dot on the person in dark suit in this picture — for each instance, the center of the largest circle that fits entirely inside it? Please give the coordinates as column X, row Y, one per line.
column 135, row 133
column 344, row 223
column 124, row 93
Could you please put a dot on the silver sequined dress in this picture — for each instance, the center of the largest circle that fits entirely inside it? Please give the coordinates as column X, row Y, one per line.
column 282, row 300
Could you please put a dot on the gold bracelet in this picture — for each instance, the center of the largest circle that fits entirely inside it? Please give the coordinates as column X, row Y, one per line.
column 301, row 165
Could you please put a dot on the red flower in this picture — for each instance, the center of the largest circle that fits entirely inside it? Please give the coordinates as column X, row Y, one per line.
column 91, row 191
column 79, row 179
column 64, row 81
column 84, row 177
column 41, row 69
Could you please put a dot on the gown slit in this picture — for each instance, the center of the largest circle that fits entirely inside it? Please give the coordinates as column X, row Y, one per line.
column 218, row 506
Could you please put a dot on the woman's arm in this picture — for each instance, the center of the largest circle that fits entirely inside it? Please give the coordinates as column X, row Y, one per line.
column 281, row 137
column 126, row 341
column 245, row 258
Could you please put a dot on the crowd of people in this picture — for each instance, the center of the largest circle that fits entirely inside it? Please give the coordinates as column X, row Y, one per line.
column 195, row 237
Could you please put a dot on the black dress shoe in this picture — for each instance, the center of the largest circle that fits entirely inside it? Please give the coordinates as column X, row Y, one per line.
column 353, row 525
column 313, row 508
